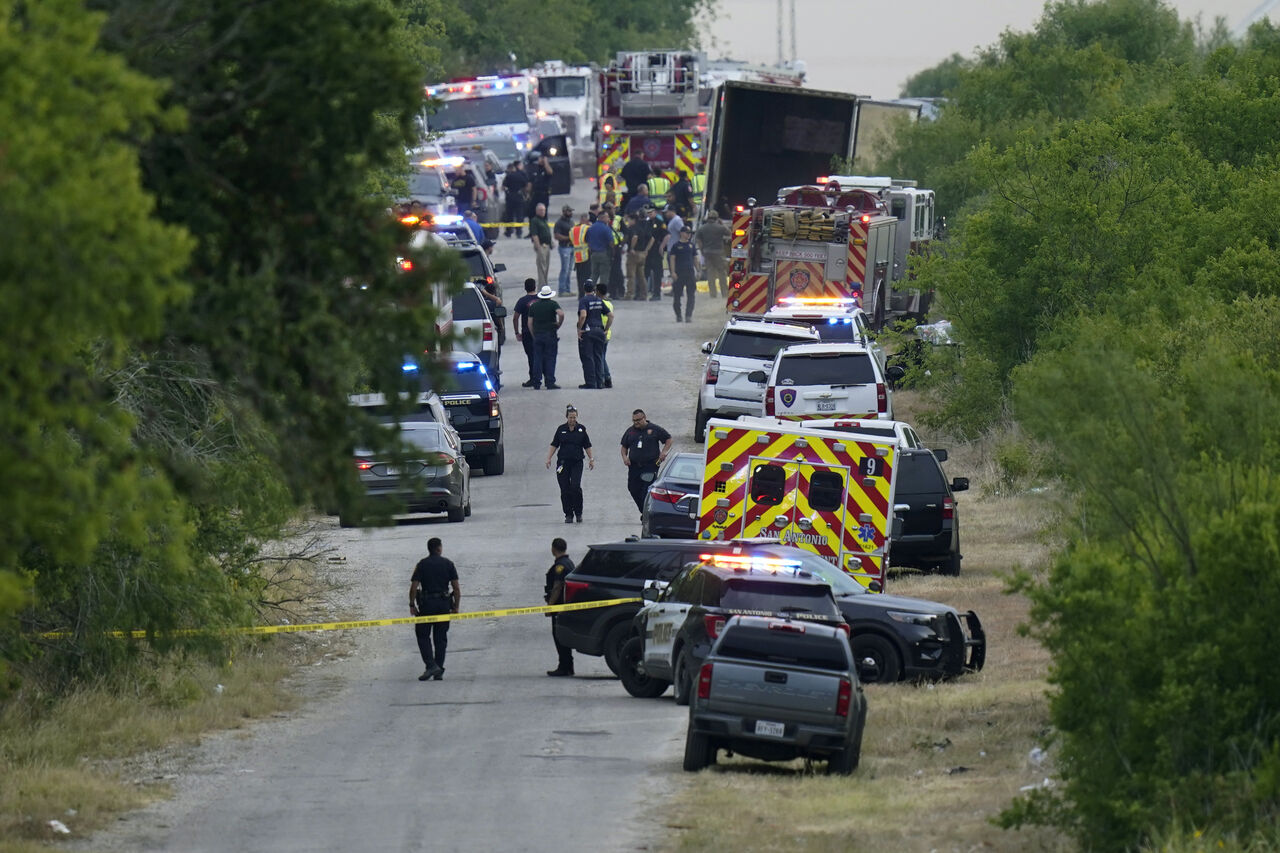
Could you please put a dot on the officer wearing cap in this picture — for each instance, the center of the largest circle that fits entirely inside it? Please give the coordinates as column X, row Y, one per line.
column 569, row 445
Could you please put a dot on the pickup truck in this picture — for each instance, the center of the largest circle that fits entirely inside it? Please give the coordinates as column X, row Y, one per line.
column 777, row 689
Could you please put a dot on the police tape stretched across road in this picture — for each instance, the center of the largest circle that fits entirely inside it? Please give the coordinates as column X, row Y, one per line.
column 363, row 623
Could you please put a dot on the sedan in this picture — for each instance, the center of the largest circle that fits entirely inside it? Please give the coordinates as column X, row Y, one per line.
column 671, row 507
column 433, row 476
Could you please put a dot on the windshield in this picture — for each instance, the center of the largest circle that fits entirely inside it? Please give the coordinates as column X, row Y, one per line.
column 851, row 368
column 423, row 439
column 740, row 344
column 425, row 182
column 838, row 330
column 478, row 112
column 562, row 87
column 837, row 579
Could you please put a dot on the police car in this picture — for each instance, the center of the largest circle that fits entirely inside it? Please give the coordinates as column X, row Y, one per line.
column 809, row 381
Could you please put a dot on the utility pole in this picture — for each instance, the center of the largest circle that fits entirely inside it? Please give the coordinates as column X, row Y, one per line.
column 793, row 32
column 779, row 32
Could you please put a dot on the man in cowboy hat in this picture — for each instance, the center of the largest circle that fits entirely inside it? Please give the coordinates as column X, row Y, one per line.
column 545, row 319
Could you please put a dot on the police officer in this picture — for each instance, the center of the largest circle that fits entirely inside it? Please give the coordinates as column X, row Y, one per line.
column 433, row 590
column 569, row 445
column 553, row 593
column 644, row 447
column 594, row 320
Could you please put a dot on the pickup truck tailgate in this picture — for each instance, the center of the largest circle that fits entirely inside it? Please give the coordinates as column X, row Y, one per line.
column 786, row 693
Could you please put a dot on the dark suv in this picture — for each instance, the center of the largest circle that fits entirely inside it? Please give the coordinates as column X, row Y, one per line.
column 674, row 632
column 472, row 404
column 930, row 536
column 893, row 637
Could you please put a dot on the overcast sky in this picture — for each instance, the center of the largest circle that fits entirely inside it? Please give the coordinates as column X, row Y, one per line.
column 872, row 48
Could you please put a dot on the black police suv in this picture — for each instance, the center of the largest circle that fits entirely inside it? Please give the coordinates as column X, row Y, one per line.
column 930, row 534
column 893, row 637
column 670, row 508
column 474, row 410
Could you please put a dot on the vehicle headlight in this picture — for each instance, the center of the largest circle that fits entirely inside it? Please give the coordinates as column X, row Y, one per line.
column 927, row 620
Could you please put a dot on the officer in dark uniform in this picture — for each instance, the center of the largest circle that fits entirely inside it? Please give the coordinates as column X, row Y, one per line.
column 569, row 445
column 642, row 455
column 594, row 320
column 433, row 590
column 554, row 594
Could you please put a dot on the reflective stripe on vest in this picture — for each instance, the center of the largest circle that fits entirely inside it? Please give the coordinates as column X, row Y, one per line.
column 578, row 236
column 658, row 187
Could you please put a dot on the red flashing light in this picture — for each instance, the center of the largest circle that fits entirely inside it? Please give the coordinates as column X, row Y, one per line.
column 405, row 264
column 739, row 208
column 789, row 627
column 822, row 179
column 844, row 698
column 608, row 128
column 866, row 217
column 704, row 682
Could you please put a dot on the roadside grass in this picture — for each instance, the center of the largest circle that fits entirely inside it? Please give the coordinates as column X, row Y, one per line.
column 939, row 761
column 77, row 756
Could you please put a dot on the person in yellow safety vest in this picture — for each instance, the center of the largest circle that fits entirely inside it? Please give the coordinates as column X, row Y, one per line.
column 658, row 187
column 699, row 191
column 578, row 238
column 609, row 188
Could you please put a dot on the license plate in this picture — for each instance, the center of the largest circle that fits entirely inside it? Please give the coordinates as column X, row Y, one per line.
column 769, row 729
column 393, row 472
column 826, row 405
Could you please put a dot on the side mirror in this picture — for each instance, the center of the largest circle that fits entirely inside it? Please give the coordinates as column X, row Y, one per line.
column 960, row 484
column 706, row 347
column 650, row 593
column 758, row 376
column 499, row 267
column 939, row 453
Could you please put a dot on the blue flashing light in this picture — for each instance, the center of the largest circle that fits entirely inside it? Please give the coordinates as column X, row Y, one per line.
column 467, row 365
column 409, row 367
column 488, row 386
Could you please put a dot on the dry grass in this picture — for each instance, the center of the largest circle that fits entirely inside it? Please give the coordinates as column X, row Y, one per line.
column 938, row 761
column 82, row 757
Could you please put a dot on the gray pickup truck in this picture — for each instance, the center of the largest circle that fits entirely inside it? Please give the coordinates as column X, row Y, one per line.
column 777, row 689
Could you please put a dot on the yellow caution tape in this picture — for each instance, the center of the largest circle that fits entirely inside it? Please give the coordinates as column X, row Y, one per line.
column 364, row 623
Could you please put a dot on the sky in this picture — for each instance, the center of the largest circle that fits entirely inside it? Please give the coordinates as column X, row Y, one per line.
column 872, row 48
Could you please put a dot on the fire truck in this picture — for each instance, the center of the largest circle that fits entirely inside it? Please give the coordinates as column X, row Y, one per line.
column 828, row 492
column 650, row 105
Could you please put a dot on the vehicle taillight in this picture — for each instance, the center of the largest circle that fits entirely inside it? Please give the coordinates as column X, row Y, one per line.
column 844, row 626
column 488, row 279
column 442, row 459
column 844, row 698
column 882, row 398
column 948, row 508
column 768, row 401
column 572, row 589
column 363, row 464
column 405, row 264
column 666, row 495
column 714, row 625
column 493, row 404
column 713, row 371
column 704, row 682
column 487, row 331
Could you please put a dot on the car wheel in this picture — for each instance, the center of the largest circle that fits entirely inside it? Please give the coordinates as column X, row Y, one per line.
column 633, row 681
column 950, row 566
column 495, row 464
column 876, row 658
column 614, row 639
column 466, row 512
column 700, row 425
column 698, row 751
column 457, row 514
column 683, row 679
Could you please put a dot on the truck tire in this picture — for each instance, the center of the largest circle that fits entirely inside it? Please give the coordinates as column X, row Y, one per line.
column 950, row 566
column 699, row 752
column 876, row 659
column 683, row 678
column 633, row 681
column 495, row 464
column 614, row 639
column 845, row 761
column 700, row 418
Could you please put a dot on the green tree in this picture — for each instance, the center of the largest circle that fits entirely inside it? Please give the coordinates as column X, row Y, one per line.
column 937, row 81
column 88, row 272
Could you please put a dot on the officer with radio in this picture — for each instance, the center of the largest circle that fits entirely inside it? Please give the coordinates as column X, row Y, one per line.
column 644, row 447
column 569, row 445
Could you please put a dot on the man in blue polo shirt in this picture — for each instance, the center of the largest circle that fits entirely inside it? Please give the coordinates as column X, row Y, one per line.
column 600, row 244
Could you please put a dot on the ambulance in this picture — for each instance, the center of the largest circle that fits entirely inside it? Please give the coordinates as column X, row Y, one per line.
column 828, row 492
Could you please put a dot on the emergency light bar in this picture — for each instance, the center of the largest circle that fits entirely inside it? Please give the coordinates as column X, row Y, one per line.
column 748, row 562
column 449, row 219
column 843, row 301
column 466, row 87
column 453, row 162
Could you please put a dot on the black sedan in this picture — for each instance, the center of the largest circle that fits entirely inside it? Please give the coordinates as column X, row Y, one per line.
column 671, row 507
